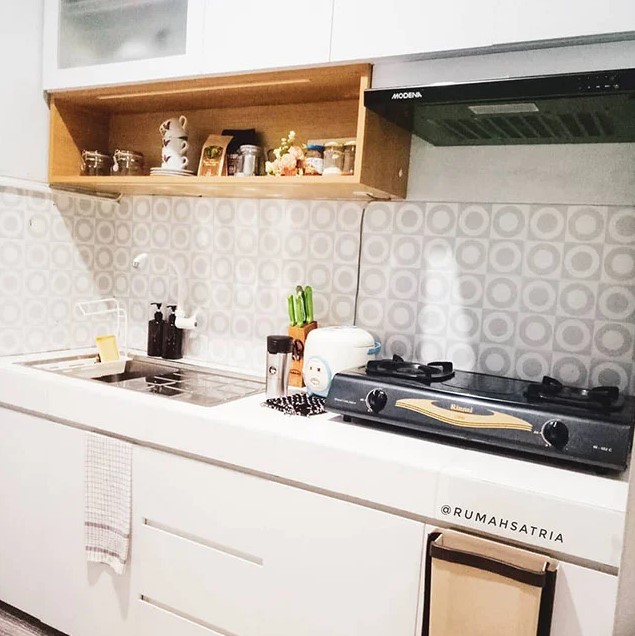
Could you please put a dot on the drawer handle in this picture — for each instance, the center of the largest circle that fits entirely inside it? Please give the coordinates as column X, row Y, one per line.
column 219, row 547
column 213, row 630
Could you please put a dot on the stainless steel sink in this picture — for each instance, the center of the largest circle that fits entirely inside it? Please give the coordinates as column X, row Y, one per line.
column 136, row 369
column 172, row 379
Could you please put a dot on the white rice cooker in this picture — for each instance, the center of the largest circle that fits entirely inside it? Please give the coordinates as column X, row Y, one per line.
column 331, row 349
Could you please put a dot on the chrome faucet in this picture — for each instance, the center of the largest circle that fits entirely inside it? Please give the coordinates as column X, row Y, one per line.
column 182, row 321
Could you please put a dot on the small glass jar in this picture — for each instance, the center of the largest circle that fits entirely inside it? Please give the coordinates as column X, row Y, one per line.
column 127, row 163
column 314, row 159
column 95, row 164
column 333, row 158
column 232, row 163
column 349, row 157
column 250, row 161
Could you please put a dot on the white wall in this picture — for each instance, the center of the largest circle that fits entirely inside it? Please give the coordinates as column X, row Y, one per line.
column 23, row 109
column 599, row 174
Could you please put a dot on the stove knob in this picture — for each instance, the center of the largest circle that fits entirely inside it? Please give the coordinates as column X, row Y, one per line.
column 555, row 433
column 376, row 400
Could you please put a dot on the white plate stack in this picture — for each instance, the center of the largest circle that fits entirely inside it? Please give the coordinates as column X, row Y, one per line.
column 174, row 148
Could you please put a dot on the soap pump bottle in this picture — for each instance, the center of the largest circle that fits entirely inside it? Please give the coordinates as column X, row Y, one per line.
column 155, row 332
column 172, row 337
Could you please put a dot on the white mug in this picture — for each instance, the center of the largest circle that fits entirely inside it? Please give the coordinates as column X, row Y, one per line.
column 174, row 161
column 174, row 127
column 175, row 145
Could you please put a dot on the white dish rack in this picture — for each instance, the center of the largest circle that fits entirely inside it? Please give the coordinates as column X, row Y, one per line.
column 90, row 367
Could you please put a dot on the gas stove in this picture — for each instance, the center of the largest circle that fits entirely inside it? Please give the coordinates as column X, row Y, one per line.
column 588, row 427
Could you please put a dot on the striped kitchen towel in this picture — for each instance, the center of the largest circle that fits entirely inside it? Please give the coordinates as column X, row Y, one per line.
column 108, row 500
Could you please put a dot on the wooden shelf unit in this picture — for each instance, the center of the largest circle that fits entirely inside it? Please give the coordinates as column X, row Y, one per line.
column 321, row 103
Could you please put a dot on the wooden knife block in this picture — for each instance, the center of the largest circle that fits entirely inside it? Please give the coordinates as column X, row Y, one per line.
column 299, row 335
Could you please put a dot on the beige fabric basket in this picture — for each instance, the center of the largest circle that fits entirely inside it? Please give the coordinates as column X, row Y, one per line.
column 477, row 587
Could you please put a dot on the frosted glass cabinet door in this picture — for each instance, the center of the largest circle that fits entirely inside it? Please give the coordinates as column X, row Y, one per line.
column 89, row 42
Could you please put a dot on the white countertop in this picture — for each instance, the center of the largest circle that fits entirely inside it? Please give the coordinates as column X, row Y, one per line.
column 564, row 512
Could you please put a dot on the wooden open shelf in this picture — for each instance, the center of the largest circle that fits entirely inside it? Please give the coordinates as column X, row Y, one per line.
column 320, row 103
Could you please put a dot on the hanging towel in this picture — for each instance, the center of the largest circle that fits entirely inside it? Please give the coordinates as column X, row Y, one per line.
column 107, row 505
column 476, row 587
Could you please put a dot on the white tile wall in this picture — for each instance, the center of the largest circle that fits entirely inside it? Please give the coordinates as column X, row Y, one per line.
column 518, row 290
column 515, row 289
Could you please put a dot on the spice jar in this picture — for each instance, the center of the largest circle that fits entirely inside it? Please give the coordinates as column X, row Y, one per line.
column 127, row 163
column 250, row 161
column 95, row 164
column 333, row 158
column 314, row 159
column 349, row 157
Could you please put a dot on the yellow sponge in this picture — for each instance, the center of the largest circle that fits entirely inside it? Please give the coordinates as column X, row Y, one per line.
column 108, row 349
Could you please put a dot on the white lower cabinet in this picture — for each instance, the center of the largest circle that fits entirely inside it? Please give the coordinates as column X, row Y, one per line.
column 221, row 552
column 584, row 602
column 216, row 551
column 22, row 488
column 43, row 568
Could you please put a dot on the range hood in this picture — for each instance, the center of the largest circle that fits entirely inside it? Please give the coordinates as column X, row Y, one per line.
column 596, row 107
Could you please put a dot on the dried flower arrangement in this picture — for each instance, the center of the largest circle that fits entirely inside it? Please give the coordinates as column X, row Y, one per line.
column 289, row 158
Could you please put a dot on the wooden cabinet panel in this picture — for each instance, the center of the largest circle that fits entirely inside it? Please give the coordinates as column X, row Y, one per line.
column 320, row 103
column 241, row 554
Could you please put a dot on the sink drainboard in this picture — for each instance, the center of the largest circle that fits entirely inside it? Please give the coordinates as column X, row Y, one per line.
column 204, row 389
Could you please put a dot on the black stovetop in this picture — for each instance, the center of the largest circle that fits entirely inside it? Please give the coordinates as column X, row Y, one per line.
column 544, row 420
column 442, row 378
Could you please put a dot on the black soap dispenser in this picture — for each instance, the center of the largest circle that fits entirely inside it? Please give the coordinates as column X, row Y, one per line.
column 155, row 332
column 172, row 337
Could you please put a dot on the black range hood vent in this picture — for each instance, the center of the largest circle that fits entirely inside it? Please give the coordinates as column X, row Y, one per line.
column 552, row 109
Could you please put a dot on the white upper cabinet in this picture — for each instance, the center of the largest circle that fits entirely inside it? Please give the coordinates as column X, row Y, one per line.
column 370, row 29
column 23, row 110
column 252, row 35
column 522, row 21
column 94, row 42
column 373, row 29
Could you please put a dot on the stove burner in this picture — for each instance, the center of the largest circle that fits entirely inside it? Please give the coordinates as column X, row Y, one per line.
column 399, row 368
column 600, row 398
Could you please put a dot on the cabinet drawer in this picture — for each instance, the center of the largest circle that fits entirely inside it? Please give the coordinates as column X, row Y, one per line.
column 187, row 578
column 258, row 558
column 212, row 503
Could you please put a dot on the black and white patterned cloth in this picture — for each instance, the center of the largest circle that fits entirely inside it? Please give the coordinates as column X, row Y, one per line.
column 297, row 404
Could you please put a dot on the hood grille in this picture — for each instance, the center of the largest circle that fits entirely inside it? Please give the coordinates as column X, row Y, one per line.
column 528, row 128
column 596, row 107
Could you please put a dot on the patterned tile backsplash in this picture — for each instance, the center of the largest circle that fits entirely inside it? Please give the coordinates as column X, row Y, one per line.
column 519, row 290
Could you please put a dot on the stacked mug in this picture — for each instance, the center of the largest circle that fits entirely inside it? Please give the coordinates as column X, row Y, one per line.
column 174, row 147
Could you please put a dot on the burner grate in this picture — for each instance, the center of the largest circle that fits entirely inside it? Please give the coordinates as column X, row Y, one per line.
column 599, row 398
column 413, row 371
